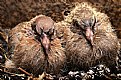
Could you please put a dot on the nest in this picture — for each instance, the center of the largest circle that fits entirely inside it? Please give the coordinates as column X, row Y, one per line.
column 13, row 12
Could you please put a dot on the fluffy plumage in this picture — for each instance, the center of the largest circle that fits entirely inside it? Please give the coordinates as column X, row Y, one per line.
column 30, row 53
column 92, row 40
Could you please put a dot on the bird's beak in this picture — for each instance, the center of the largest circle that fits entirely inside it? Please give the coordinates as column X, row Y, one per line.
column 45, row 42
column 89, row 34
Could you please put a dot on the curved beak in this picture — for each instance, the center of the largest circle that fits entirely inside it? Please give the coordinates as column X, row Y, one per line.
column 89, row 34
column 45, row 42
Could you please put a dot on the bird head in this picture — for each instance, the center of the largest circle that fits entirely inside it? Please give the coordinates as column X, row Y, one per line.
column 87, row 27
column 45, row 29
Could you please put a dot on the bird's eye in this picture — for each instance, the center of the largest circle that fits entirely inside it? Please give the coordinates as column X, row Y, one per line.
column 83, row 24
column 39, row 30
column 76, row 24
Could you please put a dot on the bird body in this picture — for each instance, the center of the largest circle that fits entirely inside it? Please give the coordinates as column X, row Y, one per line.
column 30, row 53
column 92, row 41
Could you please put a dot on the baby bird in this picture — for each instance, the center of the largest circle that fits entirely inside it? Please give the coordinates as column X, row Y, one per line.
column 36, row 47
column 92, row 41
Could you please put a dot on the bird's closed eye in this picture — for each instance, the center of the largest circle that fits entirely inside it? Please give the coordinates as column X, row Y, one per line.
column 76, row 24
column 39, row 30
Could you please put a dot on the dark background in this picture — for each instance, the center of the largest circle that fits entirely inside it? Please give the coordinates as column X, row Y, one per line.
column 13, row 12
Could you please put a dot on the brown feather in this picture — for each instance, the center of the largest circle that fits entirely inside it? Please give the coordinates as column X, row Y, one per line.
column 105, row 44
column 29, row 54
